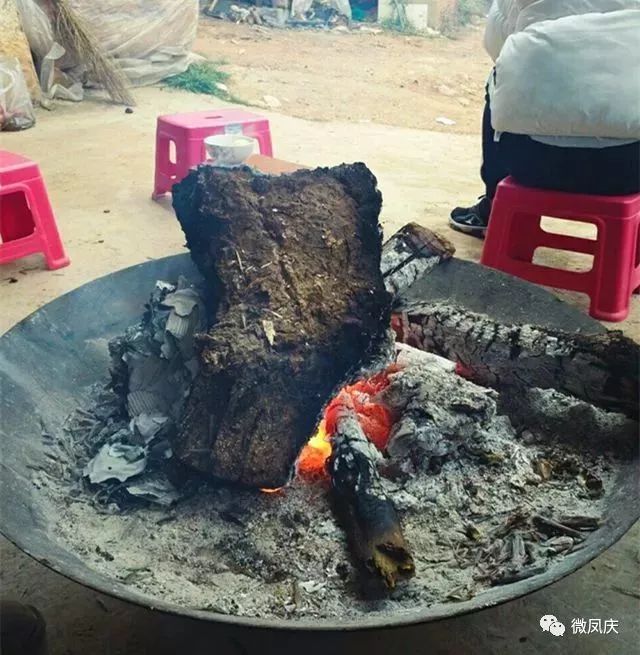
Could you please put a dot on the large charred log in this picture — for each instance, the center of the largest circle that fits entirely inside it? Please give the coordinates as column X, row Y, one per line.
column 292, row 266
column 601, row 369
column 368, row 515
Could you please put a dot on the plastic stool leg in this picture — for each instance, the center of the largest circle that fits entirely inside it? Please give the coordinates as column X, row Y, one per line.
column 497, row 236
column 636, row 260
column 192, row 155
column 16, row 221
column 45, row 222
column 163, row 167
column 615, row 264
column 264, row 140
column 262, row 136
column 523, row 236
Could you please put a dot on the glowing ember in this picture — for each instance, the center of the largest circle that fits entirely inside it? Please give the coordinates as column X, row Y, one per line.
column 464, row 371
column 271, row 491
column 375, row 419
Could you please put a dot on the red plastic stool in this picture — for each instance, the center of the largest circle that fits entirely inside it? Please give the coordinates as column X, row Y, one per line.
column 515, row 232
column 187, row 133
column 27, row 223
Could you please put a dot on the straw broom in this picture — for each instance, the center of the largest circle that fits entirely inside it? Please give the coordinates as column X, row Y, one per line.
column 76, row 35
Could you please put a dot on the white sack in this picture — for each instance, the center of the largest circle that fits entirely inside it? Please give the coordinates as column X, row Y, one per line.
column 575, row 76
column 300, row 7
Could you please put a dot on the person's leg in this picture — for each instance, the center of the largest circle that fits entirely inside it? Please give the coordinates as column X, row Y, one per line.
column 473, row 220
column 494, row 165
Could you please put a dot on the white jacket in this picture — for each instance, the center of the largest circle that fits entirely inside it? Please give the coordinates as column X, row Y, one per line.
column 507, row 17
column 577, row 75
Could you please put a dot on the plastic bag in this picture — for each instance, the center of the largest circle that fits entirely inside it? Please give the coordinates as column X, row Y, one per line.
column 37, row 27
column 149, row 39
column 52, row 90
column 16, row 109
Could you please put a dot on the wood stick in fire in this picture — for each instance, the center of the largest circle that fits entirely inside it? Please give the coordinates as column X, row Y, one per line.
column 369, row 516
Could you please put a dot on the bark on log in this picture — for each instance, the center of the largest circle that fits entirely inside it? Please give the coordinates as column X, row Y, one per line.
column 410, row 253
column 368, row 515
column 601, row 369
column 292, row 264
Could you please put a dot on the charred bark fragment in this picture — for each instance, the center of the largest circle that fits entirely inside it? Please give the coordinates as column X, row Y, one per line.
column 601, row 369
column 410, row 253
column 369, row 516
column 292, row 266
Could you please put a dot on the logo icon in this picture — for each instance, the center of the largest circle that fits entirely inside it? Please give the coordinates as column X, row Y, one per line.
column 549, row 623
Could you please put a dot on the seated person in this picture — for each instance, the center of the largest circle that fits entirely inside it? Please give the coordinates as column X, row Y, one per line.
column 562, row 107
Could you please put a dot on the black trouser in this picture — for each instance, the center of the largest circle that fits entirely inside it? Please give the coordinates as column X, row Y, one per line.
column 598, row 171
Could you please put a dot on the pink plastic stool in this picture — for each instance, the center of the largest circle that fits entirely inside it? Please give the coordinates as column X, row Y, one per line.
column 515, row 232
column 187, row 133
column 27, row 223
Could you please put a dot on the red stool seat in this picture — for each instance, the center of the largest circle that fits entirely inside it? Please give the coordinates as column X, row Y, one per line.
column 27, row 223
column 186, row 132
column 515, row 232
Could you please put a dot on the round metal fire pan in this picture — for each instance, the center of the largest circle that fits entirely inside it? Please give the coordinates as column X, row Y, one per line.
column 50, row 359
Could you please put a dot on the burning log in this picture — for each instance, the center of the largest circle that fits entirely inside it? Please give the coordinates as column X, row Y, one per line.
column 601, row 369
column 369, row 516
column 292, row 269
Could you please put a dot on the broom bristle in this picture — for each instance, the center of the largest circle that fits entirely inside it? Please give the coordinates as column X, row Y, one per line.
column 76, row 35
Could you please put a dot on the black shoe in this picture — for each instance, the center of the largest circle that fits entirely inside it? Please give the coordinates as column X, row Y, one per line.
column 472, row 220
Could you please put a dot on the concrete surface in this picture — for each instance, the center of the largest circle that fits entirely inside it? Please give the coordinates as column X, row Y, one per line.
column 98, row 164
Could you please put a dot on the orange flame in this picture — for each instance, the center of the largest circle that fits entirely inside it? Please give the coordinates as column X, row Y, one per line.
column 375, row 419
column 313, row 458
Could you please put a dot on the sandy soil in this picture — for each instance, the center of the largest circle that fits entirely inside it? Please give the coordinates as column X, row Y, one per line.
column 385, row 78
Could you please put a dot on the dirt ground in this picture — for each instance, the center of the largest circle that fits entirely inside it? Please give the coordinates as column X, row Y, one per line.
column 98, row 165
column 384, row 78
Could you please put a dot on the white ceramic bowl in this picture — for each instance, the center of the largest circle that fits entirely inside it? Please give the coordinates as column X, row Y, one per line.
column 228, row 149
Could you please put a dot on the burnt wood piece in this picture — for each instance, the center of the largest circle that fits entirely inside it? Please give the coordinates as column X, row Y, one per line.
column 366, row 512
column 601, row 369
column 292, row 267
column 410, row 253
column 438, row 413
